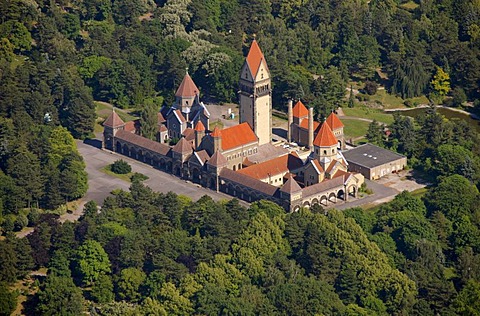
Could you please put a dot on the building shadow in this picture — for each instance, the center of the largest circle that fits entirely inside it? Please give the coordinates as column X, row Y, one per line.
column 93, row 142
column 279, row 132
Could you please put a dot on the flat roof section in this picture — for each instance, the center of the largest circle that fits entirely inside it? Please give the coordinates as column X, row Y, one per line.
column 370, row 156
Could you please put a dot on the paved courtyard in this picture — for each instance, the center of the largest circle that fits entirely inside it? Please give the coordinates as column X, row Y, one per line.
column 101, row 184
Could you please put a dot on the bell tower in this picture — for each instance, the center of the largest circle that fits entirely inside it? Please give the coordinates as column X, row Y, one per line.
column 256, row 94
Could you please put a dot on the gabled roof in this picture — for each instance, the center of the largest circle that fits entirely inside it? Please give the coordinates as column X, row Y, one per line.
column 189, row 133
column 143, row 142
column 130, row 126
column 162, row 128
column 325, row 137
column 179, row 116
column 113, row 120
column 252, row 183
column 304, row 125
column 187, row 88
column 300, row 110
column 291, row 186
column 182, row 147
column 317, row 166
column 200, row 156
column 255, row 58
column 217, row 160
column 216, row 132
column 334, row 122
column 323, row 186
column 199, row 127
column 273, row 167
column 237, row 136
column 160, row 118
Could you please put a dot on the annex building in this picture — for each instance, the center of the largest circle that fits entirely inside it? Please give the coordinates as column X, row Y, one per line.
column 241, row 160
column 374, row 162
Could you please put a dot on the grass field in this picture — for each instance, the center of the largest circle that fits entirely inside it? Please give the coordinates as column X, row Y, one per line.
column 124, row 177
column 368, row 113
column 410, row 6
column 390, row 101
column 354, row 128
column 216, row 123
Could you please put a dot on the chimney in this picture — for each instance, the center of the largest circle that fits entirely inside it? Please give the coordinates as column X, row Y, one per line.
column 310, row 128
column 290, row 120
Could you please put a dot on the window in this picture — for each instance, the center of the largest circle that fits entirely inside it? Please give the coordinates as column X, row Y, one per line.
column 324, row 152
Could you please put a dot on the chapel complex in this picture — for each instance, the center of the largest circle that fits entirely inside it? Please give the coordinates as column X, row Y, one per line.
column 241, row 160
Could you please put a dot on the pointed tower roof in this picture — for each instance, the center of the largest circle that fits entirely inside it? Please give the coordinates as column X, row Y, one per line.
column 334, row 122
column 300, row 110
column 255, row 58
column 217, row 160
column 325, row 137
column 187, row 88
column 113, row 120
column 182, row 147
column 291, row 186
column 199, row 127
column 216, row 132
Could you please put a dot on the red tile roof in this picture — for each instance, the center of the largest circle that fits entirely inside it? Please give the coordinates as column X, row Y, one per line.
column 160, row 118
column 162, row 128
column 217, row 160
column 187, row 88
column 247, row 181
column 183, row 146
column 334, row 122
column 202, row 155
column 325, row 137
column 291, row 186
column 216, row 132
column 143, row 142
column 317, row 165
column 189, row 133
column 113, row 120
column 237, row 136
column 130, row 126
column 255, row 58
column 199, row 127
column 273, row 167
column 304, row 125
column 300, row 110
column 180, row 116
column 323, row 186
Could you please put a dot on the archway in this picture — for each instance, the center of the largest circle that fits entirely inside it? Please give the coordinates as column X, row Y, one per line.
column 341, row 194
column 133, row 153
column 332, row 197
column 148, row 158
column 162, row 164
column 306, row 204
column 118, row 148
column 177, row 171
column 211, row 184
column 141, row 156
column 168, row 166
column 196, row 177
column 324, row 200
column 352, row 190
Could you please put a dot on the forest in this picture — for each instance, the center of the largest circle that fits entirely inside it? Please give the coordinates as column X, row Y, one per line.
column 146, row 253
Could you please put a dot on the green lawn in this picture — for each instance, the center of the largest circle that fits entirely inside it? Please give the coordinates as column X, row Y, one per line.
column 103, row 111
column 390, row 101
column 410, row 6
column 354, row 128
column 368, row 113
column 124, row 177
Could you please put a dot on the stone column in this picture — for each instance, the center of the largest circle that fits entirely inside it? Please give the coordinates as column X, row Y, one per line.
column 310, row 128
column 290, row 120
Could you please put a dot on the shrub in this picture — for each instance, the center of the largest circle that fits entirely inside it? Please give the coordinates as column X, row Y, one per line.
column 20, row 222
column 371, row 87
column 362, row 97
column 408, row 103
column 33, row 217
column 138, row 177
column 120, row 167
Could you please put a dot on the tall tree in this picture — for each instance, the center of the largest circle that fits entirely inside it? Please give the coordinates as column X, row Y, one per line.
column 149, row 119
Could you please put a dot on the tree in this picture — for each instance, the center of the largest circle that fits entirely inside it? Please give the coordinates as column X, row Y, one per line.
column 120, row 167
column 92, row 261
column 61, row 144
column 375, row 133
column 8, row 262
column 128, row 284
column 59, row 296
column 8, row 300
column 458, row 97
column 149, row 120
column 441, row 82
column 468, row 300
column 102, row 290
column 351, row 98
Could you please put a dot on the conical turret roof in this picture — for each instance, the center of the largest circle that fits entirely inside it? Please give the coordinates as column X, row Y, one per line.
column 216, row 132
column 199, row 127
column 113, row 120
column 182, row 147
column 325, row 137
column 187, row 88
column 217, row 160
column 334, row 122
column 291, row 186
column 255, row 58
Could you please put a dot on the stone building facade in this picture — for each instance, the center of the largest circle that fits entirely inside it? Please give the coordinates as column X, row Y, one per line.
column 241, row 160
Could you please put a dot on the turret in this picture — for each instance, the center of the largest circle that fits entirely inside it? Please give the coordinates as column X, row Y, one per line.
column 290, row 120
column 310, row 128
column 216, row 135
column 110, row 128
column 199, row 134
